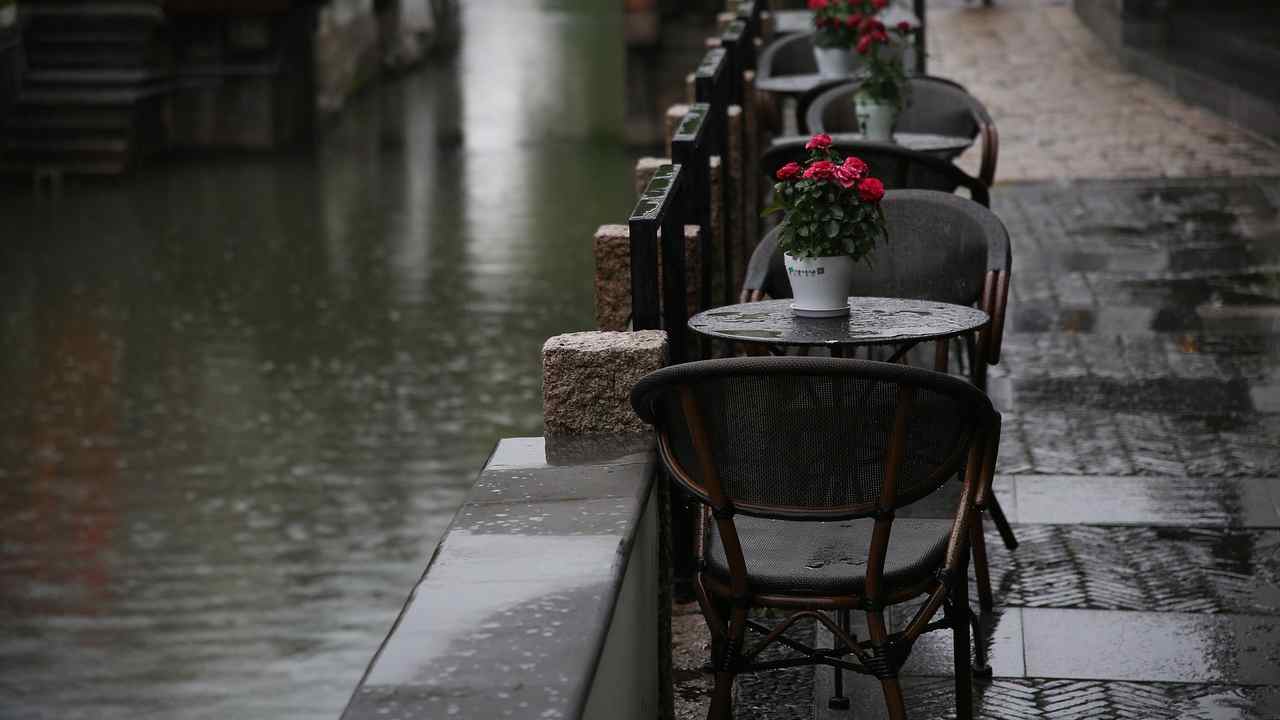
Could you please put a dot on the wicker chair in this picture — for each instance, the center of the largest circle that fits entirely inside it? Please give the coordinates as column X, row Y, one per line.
column 800, row 465
column 937, row 106
column 788, row 55
column 943, row 248
column 896, row 166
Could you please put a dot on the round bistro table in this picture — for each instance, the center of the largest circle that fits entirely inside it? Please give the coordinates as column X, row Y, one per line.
column 871, row 321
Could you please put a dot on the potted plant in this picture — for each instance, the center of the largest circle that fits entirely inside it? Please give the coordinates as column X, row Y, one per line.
column 832, row 220
column 835, row 25
column 883, row 93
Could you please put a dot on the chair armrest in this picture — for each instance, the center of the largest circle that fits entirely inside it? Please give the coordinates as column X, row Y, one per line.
column 990, row 153
column 989, row 455
column 996, row 301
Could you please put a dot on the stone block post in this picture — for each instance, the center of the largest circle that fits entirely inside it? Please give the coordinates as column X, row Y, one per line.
column 587, row 379
column 611, row 248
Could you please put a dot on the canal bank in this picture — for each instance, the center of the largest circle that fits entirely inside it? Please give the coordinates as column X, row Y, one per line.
column 245, row 396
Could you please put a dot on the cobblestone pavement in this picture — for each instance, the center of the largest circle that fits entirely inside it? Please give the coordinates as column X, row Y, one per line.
column 1140, row 386
column 1066, row 108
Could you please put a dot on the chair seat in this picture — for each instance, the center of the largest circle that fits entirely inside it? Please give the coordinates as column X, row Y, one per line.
column 829, row 558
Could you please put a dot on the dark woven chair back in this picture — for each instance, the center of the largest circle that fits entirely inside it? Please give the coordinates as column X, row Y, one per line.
column 897, row 167
column 788, row 55
column 810, row 438
column 937, row 106
column 941, row 248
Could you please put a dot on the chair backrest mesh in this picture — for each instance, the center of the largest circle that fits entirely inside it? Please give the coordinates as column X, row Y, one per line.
column 940, row 248
column 935, row 107
column 788, row 55
column 808, row 437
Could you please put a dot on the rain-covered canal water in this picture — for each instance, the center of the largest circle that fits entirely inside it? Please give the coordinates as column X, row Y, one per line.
column 242, row 398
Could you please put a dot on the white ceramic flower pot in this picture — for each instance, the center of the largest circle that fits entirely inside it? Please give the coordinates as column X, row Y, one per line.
column 835, row 61
column 820, row 285
column 875, row 118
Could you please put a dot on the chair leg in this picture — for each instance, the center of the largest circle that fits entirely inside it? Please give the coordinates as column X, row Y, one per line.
column 981, row 667
column 893, row 698
column 838, row 700
column 959, row 612
column 878, row 633
column 1002, row 523
column 981, row 571
column 722, row 698
column 726, row 663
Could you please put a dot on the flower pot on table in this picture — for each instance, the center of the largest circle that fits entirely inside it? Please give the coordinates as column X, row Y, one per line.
column 820, row 285
column 835, row 61
column 876, row 118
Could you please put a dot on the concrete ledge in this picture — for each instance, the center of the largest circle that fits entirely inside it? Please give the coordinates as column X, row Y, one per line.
column 540, row 601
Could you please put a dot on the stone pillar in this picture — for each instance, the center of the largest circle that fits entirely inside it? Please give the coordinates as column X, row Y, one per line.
column 735, row 166
column 587, row 379
column 612, row 250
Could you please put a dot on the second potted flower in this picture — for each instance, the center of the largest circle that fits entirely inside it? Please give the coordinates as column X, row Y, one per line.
column 832, row 220
column 883, row 93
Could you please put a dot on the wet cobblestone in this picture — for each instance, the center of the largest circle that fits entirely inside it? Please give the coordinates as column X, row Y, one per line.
column 1090, row 700
column 1066, row 107
column 1142, row 349
column 1205, row 570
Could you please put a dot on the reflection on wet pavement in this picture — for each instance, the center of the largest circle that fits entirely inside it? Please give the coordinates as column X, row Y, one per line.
column 1140, row 461
column 243, row 398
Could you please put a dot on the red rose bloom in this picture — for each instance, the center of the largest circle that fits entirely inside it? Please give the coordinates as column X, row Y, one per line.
column 788, row 171
column 904, row 27
column 818, row 4
column 868, row 24
column 852, row 20
column 846, row 177
column 880, row 36
column 864, row 44
column 821, row 170
column 871, row 190
column 879, row 4
column 856, row 165
column 819, row 141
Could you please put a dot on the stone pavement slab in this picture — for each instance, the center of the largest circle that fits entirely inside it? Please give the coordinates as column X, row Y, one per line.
column 1065, row 107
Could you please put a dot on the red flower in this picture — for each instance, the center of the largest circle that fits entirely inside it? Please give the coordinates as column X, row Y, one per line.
column 819, row 141
column 788, row 171
column 818, row 4
column 852, row 20
column 846, row 176
column 879, row 4
column 880, row 36
column 867, row 25
column 855, row 165
column 904, row 27
column 821, row 170
column 871, row 190
column 864, row 44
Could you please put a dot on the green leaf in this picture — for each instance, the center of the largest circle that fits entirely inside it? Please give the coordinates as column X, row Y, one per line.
column 833, row 229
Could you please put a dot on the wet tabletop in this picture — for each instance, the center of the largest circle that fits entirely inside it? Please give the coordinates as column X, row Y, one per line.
column 871, row 321
column 924, row 142
column 801, row 84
